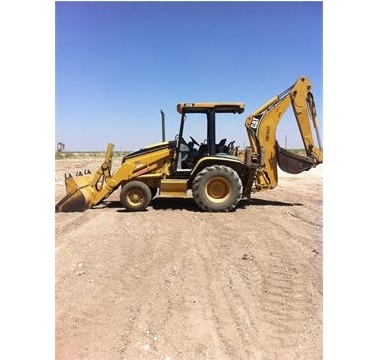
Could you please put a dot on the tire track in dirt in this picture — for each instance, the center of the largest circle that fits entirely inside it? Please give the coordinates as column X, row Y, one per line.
column 138, row 253
column 270, row 295
column 156, row 262
column 182, row 294
column 187, row 290
column 228, row 280
column 286, row 298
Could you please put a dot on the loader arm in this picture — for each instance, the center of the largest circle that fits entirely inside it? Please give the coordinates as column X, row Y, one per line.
column 261, row 127
column 85, row 190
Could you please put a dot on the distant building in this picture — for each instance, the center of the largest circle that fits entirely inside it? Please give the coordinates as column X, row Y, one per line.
column 60, row 147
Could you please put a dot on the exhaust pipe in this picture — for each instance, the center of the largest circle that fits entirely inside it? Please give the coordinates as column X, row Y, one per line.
column 163, row 126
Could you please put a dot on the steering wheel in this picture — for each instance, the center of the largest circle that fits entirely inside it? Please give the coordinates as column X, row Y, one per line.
column 194, row 141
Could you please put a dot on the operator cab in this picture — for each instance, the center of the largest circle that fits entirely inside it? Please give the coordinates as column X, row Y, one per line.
column 190, row 151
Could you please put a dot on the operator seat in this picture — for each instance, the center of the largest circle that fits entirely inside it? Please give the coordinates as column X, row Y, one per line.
column 220, row 147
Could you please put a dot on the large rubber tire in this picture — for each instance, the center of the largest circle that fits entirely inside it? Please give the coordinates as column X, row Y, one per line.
column 217, row 188
column 135, row 196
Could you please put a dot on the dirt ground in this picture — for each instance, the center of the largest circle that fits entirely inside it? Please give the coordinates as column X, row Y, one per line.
column 173, row 282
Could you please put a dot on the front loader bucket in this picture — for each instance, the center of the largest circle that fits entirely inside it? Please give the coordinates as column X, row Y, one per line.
column 86, row 190
column 79, row 197
column 293, row 163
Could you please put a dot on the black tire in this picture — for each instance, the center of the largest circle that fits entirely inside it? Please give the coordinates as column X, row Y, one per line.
column 217, row 188
column 135, row 196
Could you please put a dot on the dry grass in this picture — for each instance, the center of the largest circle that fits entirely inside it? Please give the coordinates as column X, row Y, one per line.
column 86, row 154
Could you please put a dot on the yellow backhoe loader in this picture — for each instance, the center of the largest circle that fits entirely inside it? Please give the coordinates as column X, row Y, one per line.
column 216, row 174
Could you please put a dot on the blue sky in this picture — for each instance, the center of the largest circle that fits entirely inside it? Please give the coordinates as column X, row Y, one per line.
column 118, row 64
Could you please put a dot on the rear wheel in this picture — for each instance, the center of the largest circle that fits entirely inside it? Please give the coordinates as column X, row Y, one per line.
column 217, row 188
column 135, row 196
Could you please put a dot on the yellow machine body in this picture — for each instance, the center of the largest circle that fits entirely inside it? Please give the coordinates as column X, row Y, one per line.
column 218, row 175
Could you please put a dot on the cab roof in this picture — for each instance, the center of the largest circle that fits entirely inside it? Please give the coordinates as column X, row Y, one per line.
column 203, row 107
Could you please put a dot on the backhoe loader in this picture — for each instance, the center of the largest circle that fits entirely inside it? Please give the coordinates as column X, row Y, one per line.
column 217, row 175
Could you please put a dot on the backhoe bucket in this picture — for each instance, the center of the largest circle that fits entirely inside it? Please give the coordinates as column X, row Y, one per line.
column 293, row 163
column 79, row 197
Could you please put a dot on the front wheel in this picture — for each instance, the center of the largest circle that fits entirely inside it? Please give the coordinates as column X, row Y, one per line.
column 135, row 196
column 217, row 188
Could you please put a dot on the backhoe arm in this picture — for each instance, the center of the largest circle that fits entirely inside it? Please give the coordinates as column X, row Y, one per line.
column 261, row 127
